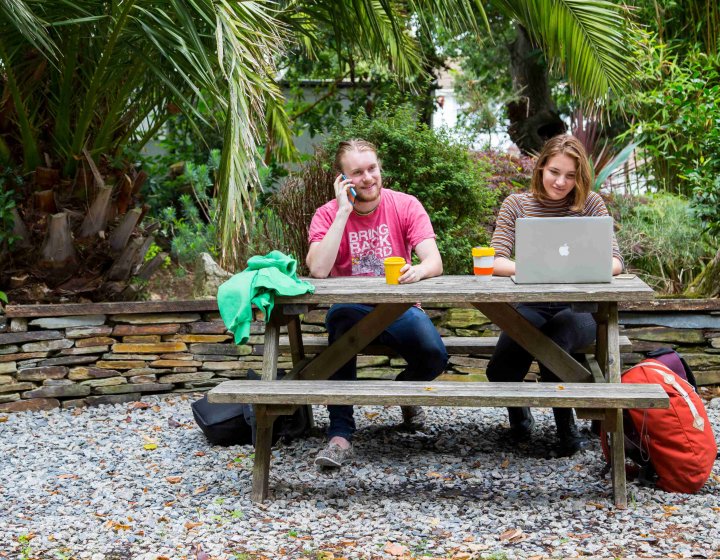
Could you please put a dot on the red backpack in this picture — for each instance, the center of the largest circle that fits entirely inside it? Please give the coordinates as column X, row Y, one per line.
column 676, row 445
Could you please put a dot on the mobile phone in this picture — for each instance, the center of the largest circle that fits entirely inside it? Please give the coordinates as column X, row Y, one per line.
column 351, row 194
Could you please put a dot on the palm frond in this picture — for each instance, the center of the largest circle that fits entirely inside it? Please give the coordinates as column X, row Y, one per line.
column 586, row 39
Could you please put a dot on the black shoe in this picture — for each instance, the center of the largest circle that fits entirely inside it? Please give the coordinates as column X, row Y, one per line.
column 571, row 440
column 521, row 423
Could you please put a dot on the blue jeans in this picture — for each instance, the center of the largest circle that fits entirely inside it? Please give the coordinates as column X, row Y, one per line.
column 568, row 329
column 412, row 335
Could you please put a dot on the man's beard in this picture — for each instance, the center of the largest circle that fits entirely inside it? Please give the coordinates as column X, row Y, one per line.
column 361, row 196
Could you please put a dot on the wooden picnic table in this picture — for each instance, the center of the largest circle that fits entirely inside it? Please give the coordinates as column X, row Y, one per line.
column 495, row 299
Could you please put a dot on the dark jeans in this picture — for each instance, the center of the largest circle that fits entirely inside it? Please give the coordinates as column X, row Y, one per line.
column 412, row 335
column 569, row 330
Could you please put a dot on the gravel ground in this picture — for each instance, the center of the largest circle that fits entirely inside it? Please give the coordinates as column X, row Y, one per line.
column 140, row 482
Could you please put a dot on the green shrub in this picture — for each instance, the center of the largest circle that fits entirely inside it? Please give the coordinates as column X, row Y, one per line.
column 676, row 116
column 660, row 240
column 435, row 168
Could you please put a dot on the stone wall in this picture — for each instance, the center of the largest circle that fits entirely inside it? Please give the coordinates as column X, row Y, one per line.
column 88, row 354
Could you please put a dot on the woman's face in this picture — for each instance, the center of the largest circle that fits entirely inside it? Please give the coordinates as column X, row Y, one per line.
column 559, row 176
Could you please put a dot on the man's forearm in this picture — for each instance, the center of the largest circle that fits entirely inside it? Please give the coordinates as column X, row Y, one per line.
column 321, row 256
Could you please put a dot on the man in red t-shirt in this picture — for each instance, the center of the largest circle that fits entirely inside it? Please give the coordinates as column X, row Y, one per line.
column 351, row 236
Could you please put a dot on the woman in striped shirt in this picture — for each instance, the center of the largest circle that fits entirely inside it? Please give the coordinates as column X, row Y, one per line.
column 560, row 187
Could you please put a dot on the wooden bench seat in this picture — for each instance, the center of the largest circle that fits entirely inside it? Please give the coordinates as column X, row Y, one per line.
column 570, row 395
column 484, row 345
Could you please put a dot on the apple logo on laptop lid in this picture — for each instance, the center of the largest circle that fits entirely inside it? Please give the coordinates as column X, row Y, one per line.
column 564, row 250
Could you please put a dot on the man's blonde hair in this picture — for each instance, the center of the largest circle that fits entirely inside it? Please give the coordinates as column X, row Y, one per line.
column 572, row 147
column 354, row 145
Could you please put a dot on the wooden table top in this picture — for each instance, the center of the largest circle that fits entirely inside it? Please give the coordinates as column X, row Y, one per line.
column 470, row 289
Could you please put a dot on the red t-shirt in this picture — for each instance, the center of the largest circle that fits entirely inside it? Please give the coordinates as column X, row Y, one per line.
column 397, row 225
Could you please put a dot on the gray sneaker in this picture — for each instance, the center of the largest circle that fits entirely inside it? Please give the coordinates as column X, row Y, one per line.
column 413, row 417
column 334, row 456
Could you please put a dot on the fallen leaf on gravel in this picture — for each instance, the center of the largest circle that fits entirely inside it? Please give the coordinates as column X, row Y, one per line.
column 462, row 556
column 173, row 479
column 191, row 525
column 116, row 526
column 324, row 555
column 199, row 490
column 173, row 423
column 138, row 405
column 595, row 504
column 68, row 476
column 371, row 415
column 156, row 408
column 3, row 418
column 150, row 446
column 513, row 535
column 669, row 509
column 433, row 474
column 199, row 454
column 505, row 464
column 395, row 549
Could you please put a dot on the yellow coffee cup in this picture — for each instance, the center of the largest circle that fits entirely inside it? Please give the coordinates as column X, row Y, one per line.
column 392, row 269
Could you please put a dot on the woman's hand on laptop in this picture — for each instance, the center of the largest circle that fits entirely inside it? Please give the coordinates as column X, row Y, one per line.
column 617, row 266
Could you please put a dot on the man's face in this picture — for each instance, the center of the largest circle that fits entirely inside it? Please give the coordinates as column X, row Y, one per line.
column 363, row 169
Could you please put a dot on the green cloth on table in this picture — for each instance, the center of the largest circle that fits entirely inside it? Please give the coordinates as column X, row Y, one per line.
column 264, row 278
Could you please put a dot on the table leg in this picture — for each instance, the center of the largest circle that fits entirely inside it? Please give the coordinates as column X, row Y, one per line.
column 264, row 422
column 534, row 341
column 297, row 350
column 617, row 437
column 263, row 451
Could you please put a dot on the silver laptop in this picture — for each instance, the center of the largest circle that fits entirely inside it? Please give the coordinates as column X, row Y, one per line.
column 563, row 250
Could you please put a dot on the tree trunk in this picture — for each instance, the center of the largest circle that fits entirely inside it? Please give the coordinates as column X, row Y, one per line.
column 58, row 251
column 20, row 231
column 97, row 216
column 707, row 283
column 533, row 116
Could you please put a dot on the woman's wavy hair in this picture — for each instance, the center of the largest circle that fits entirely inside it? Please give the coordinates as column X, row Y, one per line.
column 572, row 147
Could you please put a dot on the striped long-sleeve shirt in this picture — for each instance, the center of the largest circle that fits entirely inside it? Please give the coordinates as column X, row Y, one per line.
column 525, row 205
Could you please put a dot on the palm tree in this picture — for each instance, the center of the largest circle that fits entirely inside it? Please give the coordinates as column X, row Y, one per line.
column 84, row 81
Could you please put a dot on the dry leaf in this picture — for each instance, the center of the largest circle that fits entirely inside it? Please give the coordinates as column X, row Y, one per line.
column 324, row 555
column 173, row 423
column 505, row 464
column 150, row 446
column 191, row 525
column 669, row 509
column 73, row 476
column 117, row 526
column 430, row 389
column 173, row 479
column 395, row 549
column 3, row 418
column 371, row 415
column 199, row 490
column 199, row 454
column 433, row 474
column 138, row 405
column 462, row 556
column 156, row 408
column 512, row 535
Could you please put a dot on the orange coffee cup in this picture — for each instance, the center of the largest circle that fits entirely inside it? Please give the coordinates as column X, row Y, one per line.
column 392, row 269
column 483, row 262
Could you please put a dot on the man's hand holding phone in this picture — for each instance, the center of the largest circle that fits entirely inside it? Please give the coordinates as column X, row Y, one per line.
column 351, row 191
